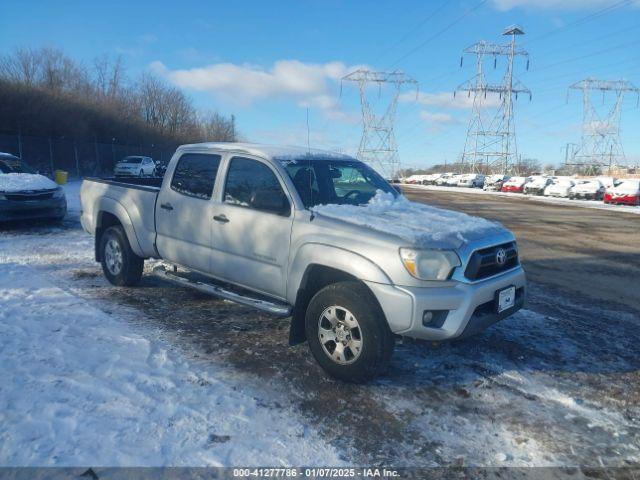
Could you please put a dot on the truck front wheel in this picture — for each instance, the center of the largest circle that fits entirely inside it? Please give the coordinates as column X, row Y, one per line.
column 120, row 264
column 348, row 333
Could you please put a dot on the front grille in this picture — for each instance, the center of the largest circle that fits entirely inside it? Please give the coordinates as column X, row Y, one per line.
column 25, row 196
column 483, row 263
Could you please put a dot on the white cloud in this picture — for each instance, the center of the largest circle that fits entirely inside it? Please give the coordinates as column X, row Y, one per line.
column 447, row 100
column 437, row 117
column 307, row 84
column 556, row 4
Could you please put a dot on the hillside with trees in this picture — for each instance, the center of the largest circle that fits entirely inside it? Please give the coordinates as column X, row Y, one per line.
column 56, row 112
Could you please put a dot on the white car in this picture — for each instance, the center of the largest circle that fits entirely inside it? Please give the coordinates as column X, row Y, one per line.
column 471, row 180
column 453, row 180
column 442, row 180
column 135, row 166
column 560, row 188
column 537, row 185
column 587, row 189
column 431, row 179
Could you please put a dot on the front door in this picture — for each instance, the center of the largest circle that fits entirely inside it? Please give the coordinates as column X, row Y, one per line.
column 251, row 231
column 184, row 212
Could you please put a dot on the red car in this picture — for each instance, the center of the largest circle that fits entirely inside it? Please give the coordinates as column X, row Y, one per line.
column 625, row 193
column 514, row 185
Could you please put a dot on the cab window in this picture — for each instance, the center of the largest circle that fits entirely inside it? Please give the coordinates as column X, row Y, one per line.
column 195, row 174
column 252, row 184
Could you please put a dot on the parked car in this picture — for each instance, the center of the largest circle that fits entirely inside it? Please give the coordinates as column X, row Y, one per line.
column 494, row 182
column 626, row 192
column 280, row 229
column 135, row 166
column 24, row 194
column 453, row 180
column 608, row 182
column 514, row 184
column 442, row 180
column 559, row 188
column 588, row 190
column 537, row 185
column 431, row 179
column 471, row 180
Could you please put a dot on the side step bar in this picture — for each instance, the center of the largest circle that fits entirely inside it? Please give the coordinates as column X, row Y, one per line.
column 211, row 288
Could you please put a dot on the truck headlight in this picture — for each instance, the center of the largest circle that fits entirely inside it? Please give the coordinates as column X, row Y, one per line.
column 429, row 264
column 59, row 193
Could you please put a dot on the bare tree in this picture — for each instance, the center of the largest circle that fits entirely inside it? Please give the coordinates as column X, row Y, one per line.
column 109, row 76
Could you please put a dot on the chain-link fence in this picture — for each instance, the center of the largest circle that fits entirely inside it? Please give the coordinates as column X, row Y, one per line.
column 81, row 158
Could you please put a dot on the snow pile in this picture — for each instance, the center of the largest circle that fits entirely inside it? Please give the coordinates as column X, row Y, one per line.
column 83, row 387
column 420, row 224
column 17, row 182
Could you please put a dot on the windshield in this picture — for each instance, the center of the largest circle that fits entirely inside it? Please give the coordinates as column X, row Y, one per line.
column 323, row 182
column 14, row 165
column 131, row 160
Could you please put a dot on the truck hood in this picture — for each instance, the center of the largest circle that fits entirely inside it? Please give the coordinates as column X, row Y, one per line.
column 414, row 223
column 20, row 182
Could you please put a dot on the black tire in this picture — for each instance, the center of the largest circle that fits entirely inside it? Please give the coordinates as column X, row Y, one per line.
column 130, row 272
column 377, row 340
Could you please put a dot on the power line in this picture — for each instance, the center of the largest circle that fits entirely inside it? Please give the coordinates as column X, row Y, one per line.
column 593, row 54
column 439, row 32
column 582, row 20
column 432, row 14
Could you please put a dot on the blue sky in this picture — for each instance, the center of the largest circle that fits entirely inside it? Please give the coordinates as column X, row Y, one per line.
column 267, row 61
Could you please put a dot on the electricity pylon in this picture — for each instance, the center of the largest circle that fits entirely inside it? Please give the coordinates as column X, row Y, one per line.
column 378, row 146
column 490, row 144
column 600, row 144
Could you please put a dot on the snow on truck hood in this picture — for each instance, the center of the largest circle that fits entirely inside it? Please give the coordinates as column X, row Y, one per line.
column 18, row 182
column 421, row 225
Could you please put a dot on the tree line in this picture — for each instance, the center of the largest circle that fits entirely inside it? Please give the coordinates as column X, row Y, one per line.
column 45, row 93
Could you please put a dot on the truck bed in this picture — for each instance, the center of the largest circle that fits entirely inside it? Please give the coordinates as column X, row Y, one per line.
column 131, row 200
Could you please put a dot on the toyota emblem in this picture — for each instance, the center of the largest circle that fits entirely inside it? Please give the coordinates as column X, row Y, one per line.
column 501, row 256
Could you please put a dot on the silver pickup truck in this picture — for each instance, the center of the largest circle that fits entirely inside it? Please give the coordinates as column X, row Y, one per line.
column 313, row 235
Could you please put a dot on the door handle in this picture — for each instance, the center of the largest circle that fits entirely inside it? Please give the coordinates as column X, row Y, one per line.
column 166, row 206
column 221, row 218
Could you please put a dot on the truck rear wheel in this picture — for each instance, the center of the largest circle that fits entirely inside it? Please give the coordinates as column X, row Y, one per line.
column 120, row 264
column 347, row 332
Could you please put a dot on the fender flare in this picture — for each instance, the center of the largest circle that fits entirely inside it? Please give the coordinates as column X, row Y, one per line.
column 313, row 253
column 109, row 205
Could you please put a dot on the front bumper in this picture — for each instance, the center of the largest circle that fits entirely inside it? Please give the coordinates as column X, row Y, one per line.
column 12, row 210
column 470, row 306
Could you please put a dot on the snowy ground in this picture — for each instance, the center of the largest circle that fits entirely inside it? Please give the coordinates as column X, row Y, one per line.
column 598, row 205
column 158, row 375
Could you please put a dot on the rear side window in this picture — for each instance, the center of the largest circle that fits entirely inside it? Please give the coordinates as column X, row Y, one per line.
column 195, row 174
column 254, row 185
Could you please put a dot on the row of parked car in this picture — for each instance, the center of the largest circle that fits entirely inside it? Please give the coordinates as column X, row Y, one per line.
column 607, row 189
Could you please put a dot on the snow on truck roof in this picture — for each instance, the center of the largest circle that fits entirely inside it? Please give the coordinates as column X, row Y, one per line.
column 273, row 152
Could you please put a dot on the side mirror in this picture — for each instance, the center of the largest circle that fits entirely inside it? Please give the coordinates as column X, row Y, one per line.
column 272, row 201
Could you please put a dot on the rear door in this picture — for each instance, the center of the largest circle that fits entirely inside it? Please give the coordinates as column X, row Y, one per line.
column 251, row 231
column 184, row 211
